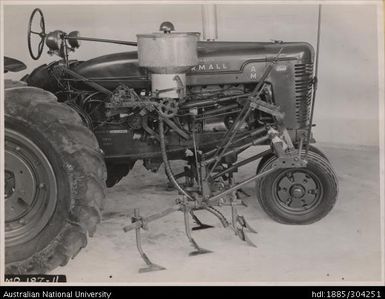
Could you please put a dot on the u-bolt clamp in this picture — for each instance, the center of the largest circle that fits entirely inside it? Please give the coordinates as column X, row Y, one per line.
column 139, row 220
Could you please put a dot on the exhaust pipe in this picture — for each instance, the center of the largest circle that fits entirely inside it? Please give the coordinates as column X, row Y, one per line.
column 209, row 22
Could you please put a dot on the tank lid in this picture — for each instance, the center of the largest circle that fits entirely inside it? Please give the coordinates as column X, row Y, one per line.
column 169, row 35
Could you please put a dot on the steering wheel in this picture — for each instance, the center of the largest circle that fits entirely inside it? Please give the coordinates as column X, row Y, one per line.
column 41, row 34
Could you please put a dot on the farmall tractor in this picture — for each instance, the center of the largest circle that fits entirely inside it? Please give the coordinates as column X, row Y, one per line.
column 73, row 128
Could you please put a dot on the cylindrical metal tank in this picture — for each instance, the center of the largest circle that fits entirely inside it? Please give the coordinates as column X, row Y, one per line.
column 168, row 53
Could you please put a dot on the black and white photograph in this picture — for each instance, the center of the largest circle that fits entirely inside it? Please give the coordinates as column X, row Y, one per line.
column 192, row 142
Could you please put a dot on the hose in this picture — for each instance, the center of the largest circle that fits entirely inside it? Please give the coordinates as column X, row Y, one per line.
column 169, row 172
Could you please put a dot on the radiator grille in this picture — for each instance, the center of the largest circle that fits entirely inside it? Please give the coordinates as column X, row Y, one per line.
column 303, row 92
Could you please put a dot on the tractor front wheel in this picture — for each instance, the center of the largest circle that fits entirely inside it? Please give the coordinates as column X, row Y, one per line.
column 298, row 195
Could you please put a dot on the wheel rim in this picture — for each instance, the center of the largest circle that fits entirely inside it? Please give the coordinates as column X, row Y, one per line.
column 30, row 189
column 297, row 191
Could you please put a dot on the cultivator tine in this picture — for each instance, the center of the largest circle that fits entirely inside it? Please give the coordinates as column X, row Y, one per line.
column 240, row 225
column 242, row 221
column 243, row 236
column 200, row 224
column 219, row 215
column 150, row 266
column 198, row 250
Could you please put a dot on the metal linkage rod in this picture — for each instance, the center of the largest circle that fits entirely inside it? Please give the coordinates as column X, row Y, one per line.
column 86, row 81
column 215, row 112
column 245, row 135
column 243, row 114
column 197, row 166
column 240, row 148
column 241, row 163
column 230, row 136
column 209, row 102
column 103, row 40
column 143, row 221
column 212, row 200
column 315, row 81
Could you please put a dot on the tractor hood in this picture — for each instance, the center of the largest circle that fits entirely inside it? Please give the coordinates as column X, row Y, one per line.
column 234, row 56
column 214, row 57
column 114, row 69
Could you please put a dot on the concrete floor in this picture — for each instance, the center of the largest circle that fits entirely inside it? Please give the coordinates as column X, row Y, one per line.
column 342, row 247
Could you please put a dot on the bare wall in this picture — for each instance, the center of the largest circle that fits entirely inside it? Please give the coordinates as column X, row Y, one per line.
column 347, row 101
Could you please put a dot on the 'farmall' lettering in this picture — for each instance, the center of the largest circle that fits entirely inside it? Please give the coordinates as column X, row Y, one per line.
column 209, row 67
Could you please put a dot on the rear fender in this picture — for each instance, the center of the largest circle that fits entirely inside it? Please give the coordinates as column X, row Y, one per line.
column 13, row 65
column 20, row 92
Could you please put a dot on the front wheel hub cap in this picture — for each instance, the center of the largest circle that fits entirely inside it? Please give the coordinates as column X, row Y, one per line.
column 297, row 191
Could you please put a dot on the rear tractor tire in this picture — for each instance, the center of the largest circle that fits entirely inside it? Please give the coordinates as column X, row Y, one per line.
column 298, row 195
column 54, row 182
